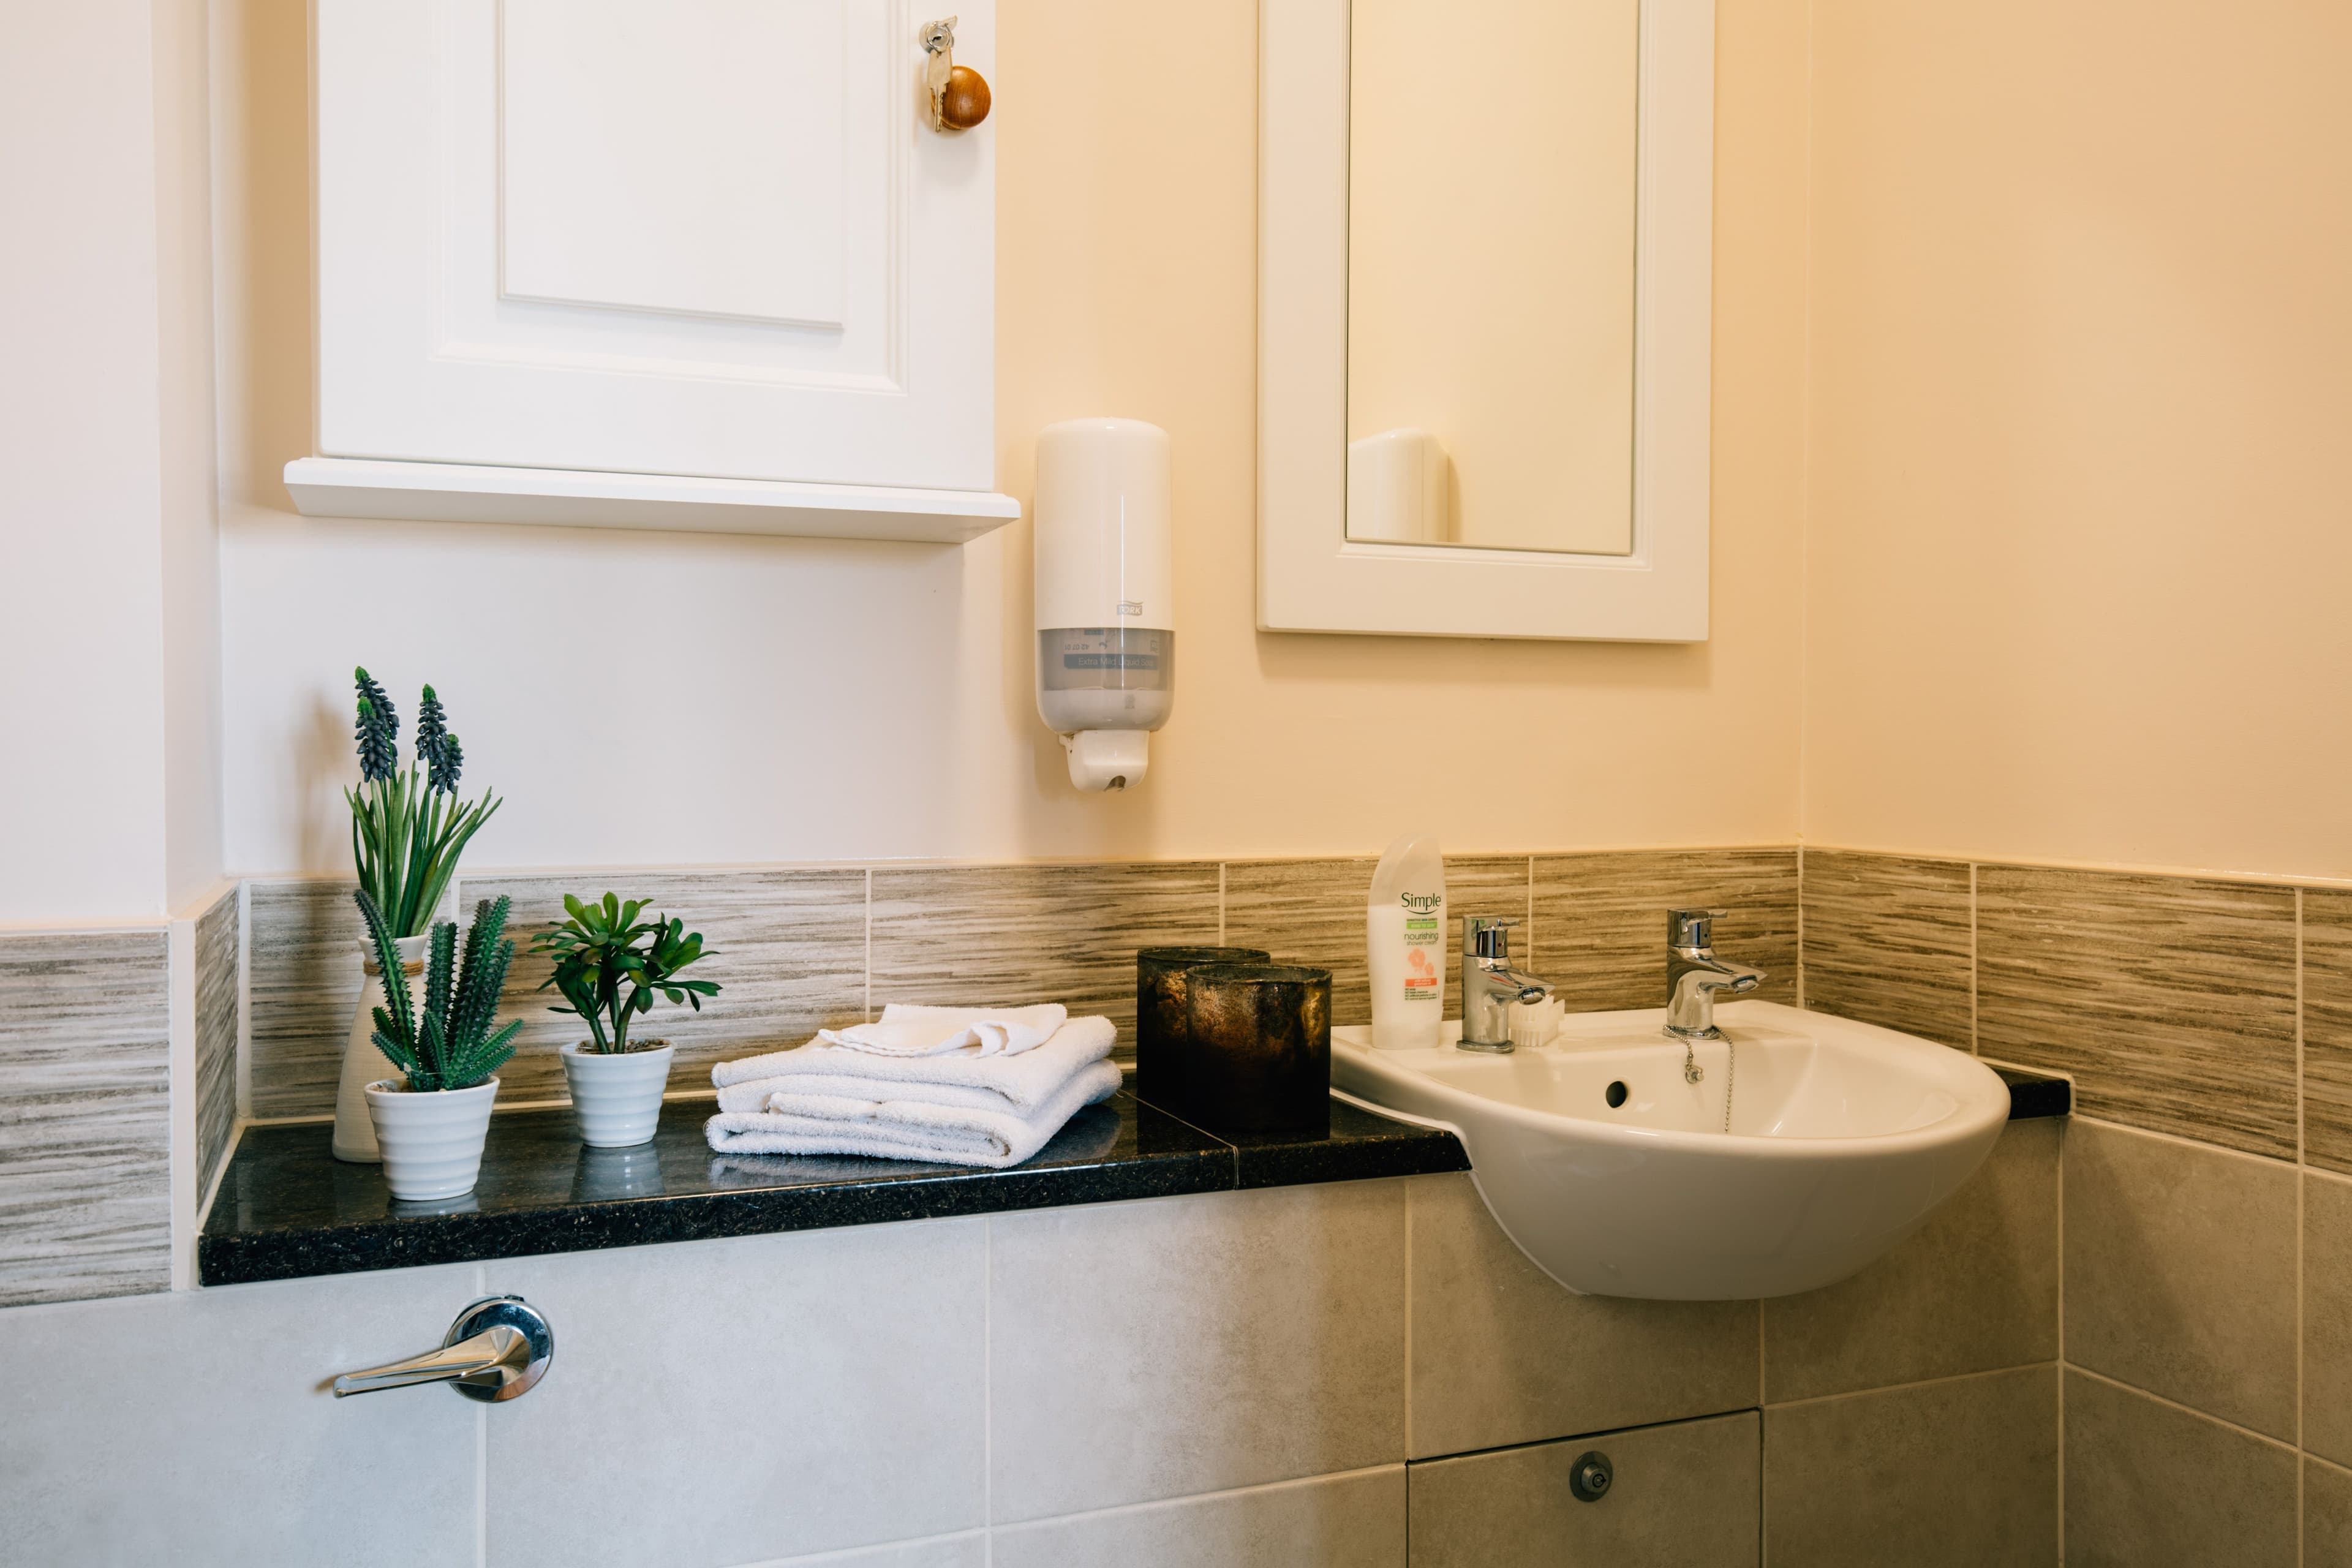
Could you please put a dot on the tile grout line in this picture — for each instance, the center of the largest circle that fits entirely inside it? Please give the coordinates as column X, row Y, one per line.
column 1221, row 903
column 1800, row 925
column 1408, row 1343
column 869, row 945
column 2302, row 1159
column 2262, row 1437
column 1975, row 1046
column 2059, row 1229
column 1871, row 1392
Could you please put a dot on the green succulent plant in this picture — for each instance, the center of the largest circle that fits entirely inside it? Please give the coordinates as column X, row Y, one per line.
column 609, row 965
column 448, row 1043
column 408, row 826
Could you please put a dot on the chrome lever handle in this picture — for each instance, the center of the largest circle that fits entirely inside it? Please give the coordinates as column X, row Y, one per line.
column 497, row 1350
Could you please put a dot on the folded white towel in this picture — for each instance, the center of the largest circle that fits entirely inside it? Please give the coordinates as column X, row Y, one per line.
column 906, row 1030
column 963, row 1079
column 907, row 1130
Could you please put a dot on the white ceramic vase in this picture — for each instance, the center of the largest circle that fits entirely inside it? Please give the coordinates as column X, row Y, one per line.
column 362, row 1063
column 616, row 1099
column 432, row 1144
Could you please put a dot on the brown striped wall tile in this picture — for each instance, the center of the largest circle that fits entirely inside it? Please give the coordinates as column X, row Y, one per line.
column 2170, row 999
column 1310, row 912
column 1887, row 940
column 304, row 989
column 1599, row 920
column 2327, row 1028
column 787, row 948
column 991, row 935
column 85, row 1115
column 216, row 936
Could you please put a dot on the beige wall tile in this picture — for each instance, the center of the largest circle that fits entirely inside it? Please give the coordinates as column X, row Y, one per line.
column 85, row 1115
column 2326, row 1515
column 1501, row 1354
column 1310, row 912
column 1601, row 919
column 1975, row 1291
column 1958, row 1474
column 1683, row 1495
column 1154, row 1350
column 1888, row 941
column 786, row 947
column 2328, row 1027
column 1354, row 1520
column 2170, row 999
column 305, row 985
column 2327, row 1318
column 2149, row 1485
column 993, row 934
column 739, row 1401
column 2180, row 1268
column 216, row 963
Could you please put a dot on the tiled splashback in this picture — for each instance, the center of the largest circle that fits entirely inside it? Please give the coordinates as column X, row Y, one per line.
column 798, row 949
column 2171, row 1001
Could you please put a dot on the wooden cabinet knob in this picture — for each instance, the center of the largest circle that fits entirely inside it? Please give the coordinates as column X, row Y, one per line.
column 964, row 104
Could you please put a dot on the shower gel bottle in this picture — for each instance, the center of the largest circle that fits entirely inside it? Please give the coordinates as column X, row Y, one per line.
column 1405, row 930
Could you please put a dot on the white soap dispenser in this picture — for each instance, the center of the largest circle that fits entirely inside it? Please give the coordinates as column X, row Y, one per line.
column 1105, row 561
column 1405, row 930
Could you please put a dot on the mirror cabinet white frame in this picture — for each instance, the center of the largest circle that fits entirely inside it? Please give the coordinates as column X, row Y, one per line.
column 1311, row 577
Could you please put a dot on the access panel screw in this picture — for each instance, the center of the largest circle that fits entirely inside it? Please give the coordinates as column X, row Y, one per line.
column 1589, row 1478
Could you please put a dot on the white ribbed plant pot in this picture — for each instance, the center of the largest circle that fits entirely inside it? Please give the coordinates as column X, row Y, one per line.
column 432, row 1144
column 616, row 1099
column 362, row 1063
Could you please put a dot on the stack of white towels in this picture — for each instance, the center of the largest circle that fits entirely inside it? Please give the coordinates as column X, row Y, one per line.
column 956, row 1086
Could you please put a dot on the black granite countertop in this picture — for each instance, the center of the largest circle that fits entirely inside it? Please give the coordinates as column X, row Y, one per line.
column 288, row 1208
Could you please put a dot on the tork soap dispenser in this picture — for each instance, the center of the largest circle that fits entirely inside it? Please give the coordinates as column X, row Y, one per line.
column 1104, row 564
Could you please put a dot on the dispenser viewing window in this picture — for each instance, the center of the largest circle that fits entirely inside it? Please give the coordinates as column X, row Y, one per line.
column 1106, row 626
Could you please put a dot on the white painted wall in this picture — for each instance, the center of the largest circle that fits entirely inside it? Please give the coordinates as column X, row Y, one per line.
column 111, row 797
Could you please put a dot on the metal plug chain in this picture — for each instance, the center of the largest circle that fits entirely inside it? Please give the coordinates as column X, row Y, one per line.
column 1730, row 1065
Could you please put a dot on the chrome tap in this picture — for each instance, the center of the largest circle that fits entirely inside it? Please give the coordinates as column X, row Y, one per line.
column 1694, row 974
column 1489, row 984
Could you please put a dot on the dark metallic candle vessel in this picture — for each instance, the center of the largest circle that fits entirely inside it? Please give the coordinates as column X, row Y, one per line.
column 1162, row 1034
column 1261, row 1048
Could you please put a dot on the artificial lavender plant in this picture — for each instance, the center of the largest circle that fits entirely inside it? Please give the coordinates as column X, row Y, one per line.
column 408, row 826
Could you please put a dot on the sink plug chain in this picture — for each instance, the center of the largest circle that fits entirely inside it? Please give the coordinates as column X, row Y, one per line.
column 1730, row 1066
column 1692, row 1071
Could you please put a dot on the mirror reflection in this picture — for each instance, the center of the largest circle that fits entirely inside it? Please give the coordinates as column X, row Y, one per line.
column 1490, row 273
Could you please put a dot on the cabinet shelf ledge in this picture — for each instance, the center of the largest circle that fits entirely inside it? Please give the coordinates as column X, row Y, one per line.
column 455, row 492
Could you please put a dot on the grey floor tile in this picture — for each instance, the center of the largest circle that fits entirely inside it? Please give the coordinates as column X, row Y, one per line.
column 1959, row 1474
column 2149, row 1485
column 1355, row 1520
column 1154, row 1350
column 2180, row 1268
column 1683, row 1496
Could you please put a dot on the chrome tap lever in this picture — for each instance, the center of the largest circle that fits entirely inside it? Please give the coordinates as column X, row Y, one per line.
column 1694, row 974
column 1489, row 984
column 497, row 1350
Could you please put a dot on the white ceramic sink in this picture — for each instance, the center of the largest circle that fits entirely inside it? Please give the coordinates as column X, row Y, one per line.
column 1845, row 1138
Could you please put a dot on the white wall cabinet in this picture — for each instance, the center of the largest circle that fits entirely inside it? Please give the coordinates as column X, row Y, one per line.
column 652, row 263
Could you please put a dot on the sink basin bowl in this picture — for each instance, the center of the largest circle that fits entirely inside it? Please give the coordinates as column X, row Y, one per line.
column 1843, row 1139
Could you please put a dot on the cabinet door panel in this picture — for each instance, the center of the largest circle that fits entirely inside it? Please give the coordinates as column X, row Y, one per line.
column 691, row 236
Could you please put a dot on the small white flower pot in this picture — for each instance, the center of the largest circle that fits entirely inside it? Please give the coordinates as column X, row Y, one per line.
column 432, row 1144
column 616, row 1099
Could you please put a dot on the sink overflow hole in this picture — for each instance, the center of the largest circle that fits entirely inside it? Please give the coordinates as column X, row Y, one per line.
column 1617, row 1094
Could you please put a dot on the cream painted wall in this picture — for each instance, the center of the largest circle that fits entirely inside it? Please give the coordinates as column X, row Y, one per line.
column 2081, row 523
column 644, row 699
column 110, row 795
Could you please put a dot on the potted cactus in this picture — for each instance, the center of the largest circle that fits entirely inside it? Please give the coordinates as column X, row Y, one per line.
column 430, row 1123
column 408, row 828
column 610, row 966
